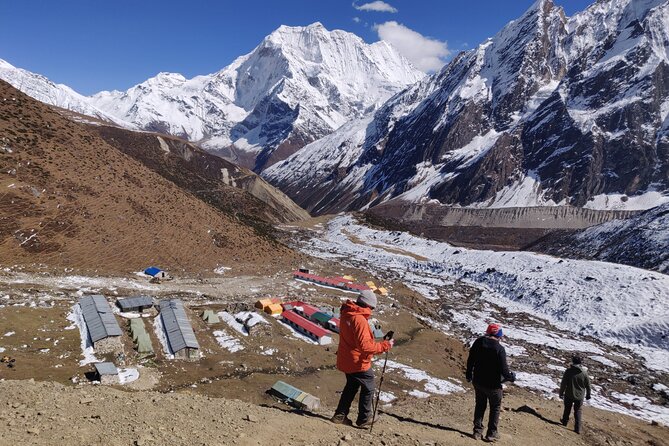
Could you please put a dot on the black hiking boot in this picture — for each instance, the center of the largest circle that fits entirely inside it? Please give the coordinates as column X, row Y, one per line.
column 492, row 437
column 340, row 418
column 365, row 424
column 477, row 436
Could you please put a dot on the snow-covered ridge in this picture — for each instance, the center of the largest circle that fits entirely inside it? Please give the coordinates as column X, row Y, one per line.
column 44, row 90
column 542, row 114
column 298, row 85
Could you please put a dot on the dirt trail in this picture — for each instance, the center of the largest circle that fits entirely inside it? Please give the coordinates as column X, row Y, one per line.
column 53, row 414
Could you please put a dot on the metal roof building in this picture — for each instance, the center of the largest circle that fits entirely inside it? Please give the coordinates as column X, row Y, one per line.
column 135, row 303
column 106, row 368
column 99, row 318
column 306, row 327
column 178, row 329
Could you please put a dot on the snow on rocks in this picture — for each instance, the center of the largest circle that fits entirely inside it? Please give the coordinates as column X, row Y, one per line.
column 387, row 397
column 128, row 375
column 436, row 386
column 616, row 303
column 87, row 350
column 159, row 329
column 419, row 394
column 542, row 383
column 227, row 341
column 250, row 318
column 221, row 270
column 604, row 360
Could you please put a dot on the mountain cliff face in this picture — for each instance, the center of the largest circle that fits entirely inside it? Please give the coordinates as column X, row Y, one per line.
column 298, row 85
column 551, row 110
column 641, row 241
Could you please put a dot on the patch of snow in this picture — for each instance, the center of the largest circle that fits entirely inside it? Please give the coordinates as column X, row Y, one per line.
column 541, row 383
column 251, row 319
column 433, row 385
column 128, row 375
column 604, row 360
column 643, row 201
column 418, row 394
column 159, row 329
column 387, row 397
column 515, row 350
column 222, row 269
column 9, row 333
column 228, row 342
column 87, row 350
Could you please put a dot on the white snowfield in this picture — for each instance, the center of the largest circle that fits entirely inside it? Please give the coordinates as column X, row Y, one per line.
column 618, row 304
column 615, row 303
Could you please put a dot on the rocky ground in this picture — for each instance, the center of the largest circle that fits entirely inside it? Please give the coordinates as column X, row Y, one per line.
column 48, row 397
column 49, row 413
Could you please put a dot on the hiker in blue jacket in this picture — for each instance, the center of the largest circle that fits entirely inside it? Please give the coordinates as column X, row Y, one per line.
column 574, row 387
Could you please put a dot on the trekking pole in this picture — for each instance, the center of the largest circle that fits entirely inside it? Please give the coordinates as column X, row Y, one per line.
column 387, row 337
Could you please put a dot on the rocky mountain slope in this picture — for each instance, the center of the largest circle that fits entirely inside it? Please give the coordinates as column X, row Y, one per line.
column 641, row 241
column 235, row 190
column 69, row 199
column 551, row 110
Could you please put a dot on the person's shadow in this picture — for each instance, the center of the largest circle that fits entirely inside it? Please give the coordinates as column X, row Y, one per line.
column 532, row 411
column 425, row 423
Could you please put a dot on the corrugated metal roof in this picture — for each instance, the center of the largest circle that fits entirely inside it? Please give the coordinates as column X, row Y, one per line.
column 134, row 302
column 106, row 368
column 179, row 331
column 306, row 324
column 99, row 318
column 152, row 271
column 321, row 317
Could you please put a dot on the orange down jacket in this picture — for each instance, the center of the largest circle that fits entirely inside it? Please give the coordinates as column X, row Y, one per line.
column 356, row 341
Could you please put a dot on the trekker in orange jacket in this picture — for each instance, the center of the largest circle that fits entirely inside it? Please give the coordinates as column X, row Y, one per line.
column 354, row 358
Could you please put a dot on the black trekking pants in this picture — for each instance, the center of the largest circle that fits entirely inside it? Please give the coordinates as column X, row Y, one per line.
column 483, row 397
column 578, row 406
column 354, row 381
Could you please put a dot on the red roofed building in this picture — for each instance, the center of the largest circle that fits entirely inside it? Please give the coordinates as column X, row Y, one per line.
column 335, row 282
column 334, row 324
column 307, row 328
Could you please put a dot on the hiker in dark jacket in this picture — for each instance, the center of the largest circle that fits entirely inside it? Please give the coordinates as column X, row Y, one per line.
column 487, row 369
column 574, row 387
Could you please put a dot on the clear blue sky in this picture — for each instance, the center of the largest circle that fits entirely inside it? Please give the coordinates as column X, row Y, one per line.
column 94, row 45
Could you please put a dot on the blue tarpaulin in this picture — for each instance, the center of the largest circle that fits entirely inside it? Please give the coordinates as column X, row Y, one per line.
column 152, row 271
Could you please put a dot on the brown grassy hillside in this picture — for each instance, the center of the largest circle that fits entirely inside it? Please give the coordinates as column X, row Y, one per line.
column 226, row 186
column 69, row 199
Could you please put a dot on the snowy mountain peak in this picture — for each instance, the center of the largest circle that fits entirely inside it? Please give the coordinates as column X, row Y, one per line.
column 299, row 84
column 166, row 79
column 551, row 110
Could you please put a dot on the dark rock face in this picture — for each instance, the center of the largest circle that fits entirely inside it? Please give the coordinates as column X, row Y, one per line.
column 641, row 241
column 551, row 110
